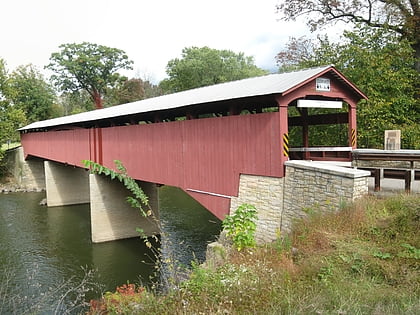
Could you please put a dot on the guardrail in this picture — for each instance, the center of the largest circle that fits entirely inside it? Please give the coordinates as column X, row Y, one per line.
column 396, row 164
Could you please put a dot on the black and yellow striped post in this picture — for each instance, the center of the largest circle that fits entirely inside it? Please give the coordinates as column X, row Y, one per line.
column 353, row 137
column 286, row 144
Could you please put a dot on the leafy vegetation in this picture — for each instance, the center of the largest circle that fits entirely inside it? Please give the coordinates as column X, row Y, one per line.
column 121, row 301
column 400, row 17
column 88, row 67
column 241, row 225
column 381, row 66
column 11, row 117
column 363, row 259
column 30, row 92
column 205, row 66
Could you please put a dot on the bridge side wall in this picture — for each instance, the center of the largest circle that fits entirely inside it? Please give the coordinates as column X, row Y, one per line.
column 112, row 218
column 65, row 146
column 206, row 154
column 65, row 185
column 306, row 186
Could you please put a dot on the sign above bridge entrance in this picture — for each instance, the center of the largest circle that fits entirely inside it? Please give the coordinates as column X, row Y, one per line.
column 319, row 104
column 323, row 84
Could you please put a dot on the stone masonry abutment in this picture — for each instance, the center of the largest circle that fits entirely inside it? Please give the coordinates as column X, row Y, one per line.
column 306, row 186
column 28, row 174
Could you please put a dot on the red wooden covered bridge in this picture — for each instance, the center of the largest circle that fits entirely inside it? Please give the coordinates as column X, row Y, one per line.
column 202, row 140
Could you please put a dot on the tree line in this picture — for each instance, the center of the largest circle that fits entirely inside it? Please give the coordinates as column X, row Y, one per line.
column 87, row 76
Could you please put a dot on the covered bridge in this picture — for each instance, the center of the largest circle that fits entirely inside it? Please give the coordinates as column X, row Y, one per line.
column 203, row 140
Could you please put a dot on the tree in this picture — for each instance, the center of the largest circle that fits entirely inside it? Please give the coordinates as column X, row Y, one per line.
column 399, row 16
column 204, row 66
column 31, row 93
column 151, row 90
column 88, row 67
column 11, row 117
column 380, row 64
column 76, row 102
column 128, row 91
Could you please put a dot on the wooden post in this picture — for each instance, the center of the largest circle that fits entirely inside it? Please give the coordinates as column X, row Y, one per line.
column 284, row 136
column 377, row 173
column 305, row 132
column 407, row 179
column 352, row 130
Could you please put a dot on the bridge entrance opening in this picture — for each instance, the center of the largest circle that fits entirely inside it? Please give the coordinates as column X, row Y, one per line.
column 319, row 132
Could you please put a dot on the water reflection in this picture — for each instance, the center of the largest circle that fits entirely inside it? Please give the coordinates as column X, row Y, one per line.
column 45, row 246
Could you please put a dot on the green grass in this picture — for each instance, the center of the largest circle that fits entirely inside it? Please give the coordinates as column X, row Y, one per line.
column 12, row 145
column 364, row 259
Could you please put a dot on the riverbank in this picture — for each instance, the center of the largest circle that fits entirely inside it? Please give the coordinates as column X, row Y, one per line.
column 9, row 185
column 365, row 259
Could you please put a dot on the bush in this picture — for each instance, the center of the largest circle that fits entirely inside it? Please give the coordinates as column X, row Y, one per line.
column 241, row 226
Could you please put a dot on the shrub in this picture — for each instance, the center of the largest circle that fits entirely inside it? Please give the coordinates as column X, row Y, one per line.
column 241, row 226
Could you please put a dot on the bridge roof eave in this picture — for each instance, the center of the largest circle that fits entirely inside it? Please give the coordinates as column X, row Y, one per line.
column 274, row 84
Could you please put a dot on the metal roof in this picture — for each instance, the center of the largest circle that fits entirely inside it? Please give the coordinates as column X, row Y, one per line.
column 258, row 86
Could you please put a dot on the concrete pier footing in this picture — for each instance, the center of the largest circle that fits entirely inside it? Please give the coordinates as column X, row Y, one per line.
column 65, row 185
column 112, row 218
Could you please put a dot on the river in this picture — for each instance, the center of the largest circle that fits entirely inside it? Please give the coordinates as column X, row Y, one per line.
column 49, row 262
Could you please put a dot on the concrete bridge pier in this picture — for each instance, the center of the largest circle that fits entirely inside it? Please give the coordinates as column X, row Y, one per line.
column 112, row 218
column 65, row 185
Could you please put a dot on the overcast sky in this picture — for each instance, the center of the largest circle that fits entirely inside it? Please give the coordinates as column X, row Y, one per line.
column 151, row 32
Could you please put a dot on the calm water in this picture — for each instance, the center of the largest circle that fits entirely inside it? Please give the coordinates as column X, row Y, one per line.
column 45, row 251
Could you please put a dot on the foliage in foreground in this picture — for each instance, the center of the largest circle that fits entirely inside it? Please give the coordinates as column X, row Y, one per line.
column 240, row 227
column 361, row 260
column 66, row 296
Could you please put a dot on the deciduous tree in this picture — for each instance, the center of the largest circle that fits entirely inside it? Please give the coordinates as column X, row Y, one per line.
column 380, row 64
column 29, row 91
column 11, row 117
column 205, row 66
column 400, row 16
column 88, row 67
column 128, row 91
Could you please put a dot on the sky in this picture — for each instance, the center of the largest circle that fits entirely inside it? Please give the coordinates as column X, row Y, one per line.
column 150, row 32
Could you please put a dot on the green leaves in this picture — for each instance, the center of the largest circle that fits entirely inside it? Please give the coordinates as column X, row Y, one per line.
column 11, row 117
column 139, row 199
column 204, row 66
column 241, row 226
column 88, row 67
column 378, row 62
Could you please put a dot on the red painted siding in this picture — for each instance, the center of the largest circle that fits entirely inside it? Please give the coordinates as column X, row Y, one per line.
column 204, row 154
column 67, row 146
